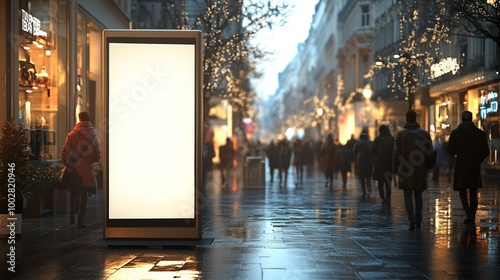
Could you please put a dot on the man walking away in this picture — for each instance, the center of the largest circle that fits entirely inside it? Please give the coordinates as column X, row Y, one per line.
column 412, row 147
column 470, row 147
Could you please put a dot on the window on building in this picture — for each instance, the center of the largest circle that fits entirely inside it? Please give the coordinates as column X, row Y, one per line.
column 365, row 15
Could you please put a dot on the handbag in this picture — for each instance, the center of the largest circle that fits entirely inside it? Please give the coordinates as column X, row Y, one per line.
column 68, row 178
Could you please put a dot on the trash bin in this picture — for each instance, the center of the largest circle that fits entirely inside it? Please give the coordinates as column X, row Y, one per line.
column 255, row 172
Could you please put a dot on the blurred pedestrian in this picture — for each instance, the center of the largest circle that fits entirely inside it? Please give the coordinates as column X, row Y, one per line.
column 382, row 149
column 350, row 145
column 450, row 160
column 440, row 159
column 308, row 152
column 226, row 155
column 412, row 147
column 80, row 150
column 470, row 147
column 364, row 162
column 285, row 157
column 298, row 161
column 329, row 153
column 273, row 159
column 207, row 155
column 344, row 155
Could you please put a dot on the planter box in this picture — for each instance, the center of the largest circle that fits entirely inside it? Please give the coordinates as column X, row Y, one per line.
column 40, row 205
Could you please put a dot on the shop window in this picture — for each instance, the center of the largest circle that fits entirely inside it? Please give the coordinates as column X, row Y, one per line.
column 38, row 91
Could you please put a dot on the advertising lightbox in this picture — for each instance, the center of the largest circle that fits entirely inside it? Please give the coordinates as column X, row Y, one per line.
column 152, row 82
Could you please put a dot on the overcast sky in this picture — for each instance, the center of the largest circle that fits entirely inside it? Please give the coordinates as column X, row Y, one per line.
column 283, row 41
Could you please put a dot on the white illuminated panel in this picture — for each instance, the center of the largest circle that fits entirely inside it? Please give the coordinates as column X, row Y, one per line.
column 151, row 144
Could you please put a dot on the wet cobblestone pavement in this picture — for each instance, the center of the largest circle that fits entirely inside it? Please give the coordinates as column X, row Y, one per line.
column 302, row 231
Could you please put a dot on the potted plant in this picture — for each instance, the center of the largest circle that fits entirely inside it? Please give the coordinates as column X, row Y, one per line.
column 15, row 174
column 41, row 201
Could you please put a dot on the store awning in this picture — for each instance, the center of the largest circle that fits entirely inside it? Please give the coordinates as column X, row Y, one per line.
column 463, row 82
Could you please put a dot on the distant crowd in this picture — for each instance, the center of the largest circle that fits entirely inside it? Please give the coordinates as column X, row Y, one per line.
column 407, row 157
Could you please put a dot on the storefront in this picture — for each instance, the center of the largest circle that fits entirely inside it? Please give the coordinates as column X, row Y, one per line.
column 489, row 119
column 56, row 48
column 476, row 92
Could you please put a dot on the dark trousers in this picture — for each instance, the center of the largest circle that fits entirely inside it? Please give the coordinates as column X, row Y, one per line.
column 344, row 177
column 414, row 214
column 384, row 189
column 366, row 184
column 299, row 170
column 78, row 199
column 469, row 202
column 271, row 170
column 284, row 172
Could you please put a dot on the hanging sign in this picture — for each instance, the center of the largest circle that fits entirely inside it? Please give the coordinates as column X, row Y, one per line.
column 31, row 24
column 489, row 103
column 445, row 66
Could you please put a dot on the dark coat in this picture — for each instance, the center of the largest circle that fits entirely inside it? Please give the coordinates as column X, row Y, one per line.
column 285, row 155
column 226, row 154
column 412, row 147
column 344, row 155
column 363, row 157
column 470, row 146
column 382, row 150
column 329, row 153
column 273, row 153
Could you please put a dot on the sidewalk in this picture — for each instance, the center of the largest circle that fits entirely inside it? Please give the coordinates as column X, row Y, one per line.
column 295, row 232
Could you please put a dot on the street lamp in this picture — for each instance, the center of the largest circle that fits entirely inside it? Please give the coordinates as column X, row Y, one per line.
column 319, row 113
column 367, row 93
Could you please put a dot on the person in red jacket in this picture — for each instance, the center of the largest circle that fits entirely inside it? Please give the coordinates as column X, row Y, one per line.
column 79, row 152
column 470, row 147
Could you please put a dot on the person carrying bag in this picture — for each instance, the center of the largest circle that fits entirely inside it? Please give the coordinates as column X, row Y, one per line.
column 79, row 152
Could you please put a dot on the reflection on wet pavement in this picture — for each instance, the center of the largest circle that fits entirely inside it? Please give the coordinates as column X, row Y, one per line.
column 295, row 232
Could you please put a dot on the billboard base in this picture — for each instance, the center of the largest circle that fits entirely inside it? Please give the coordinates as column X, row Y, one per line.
column 134, row 242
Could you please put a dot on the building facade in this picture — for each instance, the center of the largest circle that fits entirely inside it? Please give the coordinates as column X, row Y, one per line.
column 354, row 44
column 53, row 67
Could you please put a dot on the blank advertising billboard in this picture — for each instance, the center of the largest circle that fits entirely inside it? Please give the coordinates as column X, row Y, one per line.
column 153, row 97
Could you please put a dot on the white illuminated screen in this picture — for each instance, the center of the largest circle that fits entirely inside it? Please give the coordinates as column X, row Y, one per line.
column 151, row 131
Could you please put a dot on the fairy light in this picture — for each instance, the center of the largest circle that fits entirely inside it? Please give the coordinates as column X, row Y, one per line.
column 423, row 31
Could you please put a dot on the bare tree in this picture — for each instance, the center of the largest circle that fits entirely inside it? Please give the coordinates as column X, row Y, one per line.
column 479, row 18
column 227, row 25
column 422, row 30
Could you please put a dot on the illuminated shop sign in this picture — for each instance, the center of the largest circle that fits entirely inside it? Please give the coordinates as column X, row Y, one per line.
column 444, row 66
column 489, row 104
column 31, row 24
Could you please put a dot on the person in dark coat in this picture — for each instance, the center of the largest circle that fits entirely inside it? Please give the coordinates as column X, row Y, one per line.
column 298, row 161
column 329, row 153
column 382, row 149
column 80, row 150
column 364, row 162
column 285, row 157
column 470, row 147
column 272, row 153
column 226, row 154
column 350, row 145
column 207, row 156
column 344, row 155
column 412, row 147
